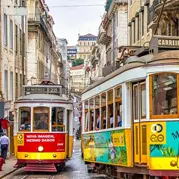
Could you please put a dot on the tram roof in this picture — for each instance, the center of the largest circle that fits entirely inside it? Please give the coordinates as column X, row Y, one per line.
column 166, row 57
column 42, row 97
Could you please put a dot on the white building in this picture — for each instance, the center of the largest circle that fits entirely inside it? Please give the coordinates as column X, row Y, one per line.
column 13, row 37
column 43, row 57
column 62, row 47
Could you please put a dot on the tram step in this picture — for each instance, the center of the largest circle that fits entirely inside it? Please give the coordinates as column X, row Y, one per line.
column 41, row 167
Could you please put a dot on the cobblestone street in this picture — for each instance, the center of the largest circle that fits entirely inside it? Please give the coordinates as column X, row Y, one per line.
column 74, row 169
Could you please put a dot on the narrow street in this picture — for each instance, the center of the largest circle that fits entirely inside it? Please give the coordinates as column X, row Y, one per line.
column 74, row 169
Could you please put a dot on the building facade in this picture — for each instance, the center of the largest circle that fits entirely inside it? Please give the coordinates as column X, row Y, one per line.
column 85, row 42
column 143, row 17
column 13, row 37
column 62, row 47
column 43, row 57
column 77, row 74
column 71, row 53
column 104, row 57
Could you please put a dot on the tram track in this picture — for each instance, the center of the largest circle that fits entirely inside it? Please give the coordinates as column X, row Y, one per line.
column 37, row 177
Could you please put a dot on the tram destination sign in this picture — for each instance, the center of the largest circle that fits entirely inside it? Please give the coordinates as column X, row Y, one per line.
column 167, row 42
column 42, row 90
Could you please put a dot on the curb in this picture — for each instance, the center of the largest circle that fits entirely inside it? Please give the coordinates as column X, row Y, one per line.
column 9, row 173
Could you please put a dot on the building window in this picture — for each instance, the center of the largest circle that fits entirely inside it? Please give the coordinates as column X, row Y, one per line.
column 11, row 86
column 5, row 30
column 21, row 82
column 138, row 28
column 130, row 35
column 16, row 38
column 6, row 84
column 134, row 32
column 11, row 34
column 21, row 46
column 142, row 23
column 16, row 85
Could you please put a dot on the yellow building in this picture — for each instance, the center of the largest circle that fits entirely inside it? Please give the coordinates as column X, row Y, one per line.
column 84, row 45
column 142, row 20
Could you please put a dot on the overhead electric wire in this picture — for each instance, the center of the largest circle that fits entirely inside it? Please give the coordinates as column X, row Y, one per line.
column 65, row 6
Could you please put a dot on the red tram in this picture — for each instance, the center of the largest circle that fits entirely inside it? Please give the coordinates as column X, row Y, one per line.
column 43, row 129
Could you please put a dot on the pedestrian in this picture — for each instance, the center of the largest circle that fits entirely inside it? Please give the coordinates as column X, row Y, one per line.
column 4, row 141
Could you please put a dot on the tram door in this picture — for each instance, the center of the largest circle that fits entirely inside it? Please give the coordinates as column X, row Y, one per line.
column 139, row 121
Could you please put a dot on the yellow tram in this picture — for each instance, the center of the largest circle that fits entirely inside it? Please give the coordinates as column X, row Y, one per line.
column 131, row 119
column 43, row 128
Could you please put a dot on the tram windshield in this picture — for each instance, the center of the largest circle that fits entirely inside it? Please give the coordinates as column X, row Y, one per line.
column 58, row 119
column 165, row 94
column 24, row 119
column 41, row 118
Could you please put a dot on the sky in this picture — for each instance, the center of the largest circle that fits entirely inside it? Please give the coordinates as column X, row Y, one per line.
column 70, row 21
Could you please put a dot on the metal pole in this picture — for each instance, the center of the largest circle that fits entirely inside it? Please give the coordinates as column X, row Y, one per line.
column 159, row 17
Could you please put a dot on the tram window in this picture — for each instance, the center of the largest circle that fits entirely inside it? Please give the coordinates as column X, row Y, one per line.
column 118, row 107
column 91, row 122
column 41, row 118
column 135, row 102
column 143, row 100
column 110, row 109
column 24, row 119
column 58, row 119
column 103, row 111
column 86, row 116
column 97, row 119
column 164, row 94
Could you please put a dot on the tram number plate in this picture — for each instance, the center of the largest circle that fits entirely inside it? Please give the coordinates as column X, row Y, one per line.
column 20, row 139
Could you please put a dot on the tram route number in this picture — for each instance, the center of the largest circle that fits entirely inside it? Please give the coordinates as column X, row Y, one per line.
column 20, row 139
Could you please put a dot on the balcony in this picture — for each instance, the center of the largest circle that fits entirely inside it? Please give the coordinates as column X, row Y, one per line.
column 155, row 9
column 35, row 20
column 103, row 38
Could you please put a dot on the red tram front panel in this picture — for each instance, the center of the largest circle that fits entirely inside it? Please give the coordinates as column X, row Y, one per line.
column 41, row 142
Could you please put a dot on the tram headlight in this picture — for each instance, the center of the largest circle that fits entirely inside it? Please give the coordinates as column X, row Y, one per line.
column 40, row 148
column 54, row 155
column 26, row 155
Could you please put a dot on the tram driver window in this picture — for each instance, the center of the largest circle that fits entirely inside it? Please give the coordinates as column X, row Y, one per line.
column 24, row 119
column 164, row 94
column 41, row 118
column 58, row 119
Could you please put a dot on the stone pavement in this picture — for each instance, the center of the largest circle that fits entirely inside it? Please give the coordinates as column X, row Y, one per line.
column 8, row 167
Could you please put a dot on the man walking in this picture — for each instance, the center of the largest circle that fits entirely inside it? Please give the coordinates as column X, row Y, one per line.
column 4, row 141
